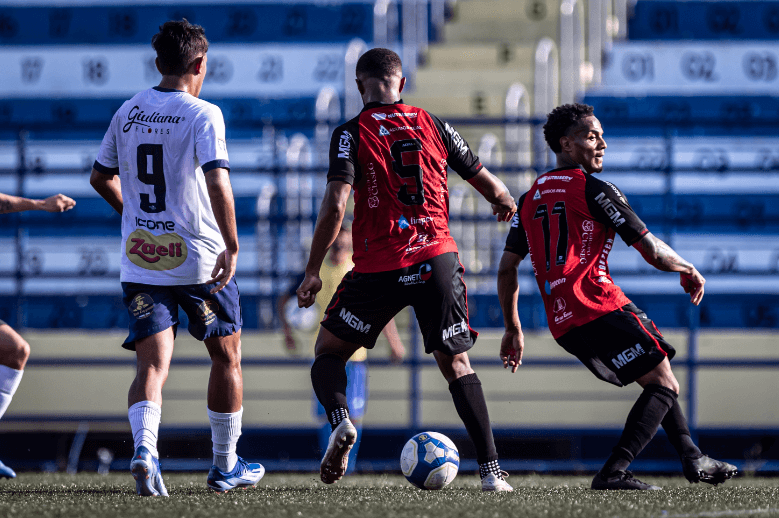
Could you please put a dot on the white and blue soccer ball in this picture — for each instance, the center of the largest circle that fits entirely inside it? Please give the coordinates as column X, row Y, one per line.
column 430, row 460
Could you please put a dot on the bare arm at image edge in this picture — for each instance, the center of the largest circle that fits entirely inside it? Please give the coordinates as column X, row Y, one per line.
column 664, row 258
column 220, row 192
column 56, row 203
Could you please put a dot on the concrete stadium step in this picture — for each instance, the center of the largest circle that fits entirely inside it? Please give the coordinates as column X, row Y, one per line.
column 499, row 30
column 479, row 56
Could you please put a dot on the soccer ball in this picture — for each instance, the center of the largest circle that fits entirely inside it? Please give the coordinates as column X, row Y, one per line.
column 430, row 460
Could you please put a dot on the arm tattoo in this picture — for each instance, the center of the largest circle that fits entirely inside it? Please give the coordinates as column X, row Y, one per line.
column 5, row 206
column 661, row 256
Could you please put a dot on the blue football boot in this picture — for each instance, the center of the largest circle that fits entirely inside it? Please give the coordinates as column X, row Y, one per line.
column 242, row 475
column 6, row 472
column 147, row 474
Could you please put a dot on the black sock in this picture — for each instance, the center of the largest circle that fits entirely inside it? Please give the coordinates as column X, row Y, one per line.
column 472, row 408
column 641, row 425
column 328, row 376
column 675, row 426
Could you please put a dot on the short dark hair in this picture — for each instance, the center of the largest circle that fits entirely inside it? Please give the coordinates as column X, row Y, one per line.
column 178, row 44
column 379, row 63
column 561, row 120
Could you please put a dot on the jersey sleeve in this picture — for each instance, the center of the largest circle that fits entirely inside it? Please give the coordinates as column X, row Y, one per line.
column 459, row 155
column 516, row 242
column 343, row 156
column 210, row 141
column 609, row 206
column 107, row 161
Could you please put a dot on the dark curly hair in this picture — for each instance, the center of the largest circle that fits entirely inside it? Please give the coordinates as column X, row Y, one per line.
column 379, row 63
column 561, row 120
column 178, row 44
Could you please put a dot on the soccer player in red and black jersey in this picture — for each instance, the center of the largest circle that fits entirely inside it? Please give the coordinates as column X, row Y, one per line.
column 567, row 221
column 395, row 157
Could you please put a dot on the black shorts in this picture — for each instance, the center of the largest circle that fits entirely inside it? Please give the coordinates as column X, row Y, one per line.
column 618, row 347
column 365, row 302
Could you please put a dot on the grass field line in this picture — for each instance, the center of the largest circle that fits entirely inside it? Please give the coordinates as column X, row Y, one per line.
column 717, row 514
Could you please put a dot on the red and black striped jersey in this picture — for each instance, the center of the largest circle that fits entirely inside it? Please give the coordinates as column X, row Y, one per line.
column 567, row 222
column 396, row 156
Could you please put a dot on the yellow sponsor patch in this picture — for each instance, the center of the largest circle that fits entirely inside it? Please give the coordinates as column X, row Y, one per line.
column 142, row 306
column 151, row 252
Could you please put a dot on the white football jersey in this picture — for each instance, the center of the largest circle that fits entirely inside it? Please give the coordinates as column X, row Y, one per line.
column 159, row 143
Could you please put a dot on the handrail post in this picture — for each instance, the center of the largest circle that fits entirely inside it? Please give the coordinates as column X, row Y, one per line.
column 571, row 48
column 546, row 91
column 20, row 235
column 692, row 371
column 415, row 361
column 409, row 43
column 352, row 98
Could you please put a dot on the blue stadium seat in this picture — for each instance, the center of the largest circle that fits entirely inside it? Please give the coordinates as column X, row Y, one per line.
column 244, row 23
column 704, row 20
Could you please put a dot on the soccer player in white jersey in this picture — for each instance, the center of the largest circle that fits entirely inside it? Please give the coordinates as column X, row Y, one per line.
column 163, row 166
column 14, row 350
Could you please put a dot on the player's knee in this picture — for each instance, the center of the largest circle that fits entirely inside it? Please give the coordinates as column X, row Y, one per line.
column 227, row 355
column 17, row 354
column 22, row 351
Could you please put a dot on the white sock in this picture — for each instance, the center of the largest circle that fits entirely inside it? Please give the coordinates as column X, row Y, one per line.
column 225, row 431
column 145, row 422
column 9, row 382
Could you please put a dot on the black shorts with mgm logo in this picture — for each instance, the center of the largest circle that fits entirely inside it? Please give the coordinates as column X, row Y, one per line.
column 364, row 303
column 620, row 346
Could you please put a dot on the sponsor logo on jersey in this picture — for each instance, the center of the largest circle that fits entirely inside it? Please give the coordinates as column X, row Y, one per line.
column 459, row 142
column 604, row 280
column 616, row 191
column 221, row 145
column 207, row 311
column 420, row 241
column 154, row 225
column 425, row 272
column 553, row 191
column 373, row 187
column 545, row 179
column 610, row 209
column 587, row 227
column 344, row 144
column 158, row 253
column 627, row 356
column 454, row 330
column 403, row 223
column 379, row 116
column 142, row 119
column 354, row 322
column 558, row 308
column 557, row 282
column 537, row 195
column 407, row 128
column 604, row 256
column 383, row 131
column 515, row 220
column 142, row 306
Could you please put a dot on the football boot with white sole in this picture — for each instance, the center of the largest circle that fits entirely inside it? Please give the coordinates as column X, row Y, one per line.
column 242, row 475
column 705, row 469
column 620, row 480
column 146, row 472
column 336, row 458
column 493, row 482
column 6, row 472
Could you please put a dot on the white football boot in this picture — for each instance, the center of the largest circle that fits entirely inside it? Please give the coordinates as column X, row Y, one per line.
column 493, row 482
column 336, row 457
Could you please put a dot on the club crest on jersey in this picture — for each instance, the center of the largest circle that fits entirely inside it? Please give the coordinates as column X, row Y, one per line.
column 537, row 195
column 157, row 253
column 207, row 311
column 142, row 306
column 383, row 131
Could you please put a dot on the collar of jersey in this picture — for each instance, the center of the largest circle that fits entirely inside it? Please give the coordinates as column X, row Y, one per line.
column 564, row 169
column 167, row 90
column 377, row 104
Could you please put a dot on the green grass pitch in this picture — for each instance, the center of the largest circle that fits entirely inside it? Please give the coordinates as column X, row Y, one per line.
column 364, row 496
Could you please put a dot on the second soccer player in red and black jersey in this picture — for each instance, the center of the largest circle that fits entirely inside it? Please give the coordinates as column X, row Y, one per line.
column 567, row 222
column 396, row 159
